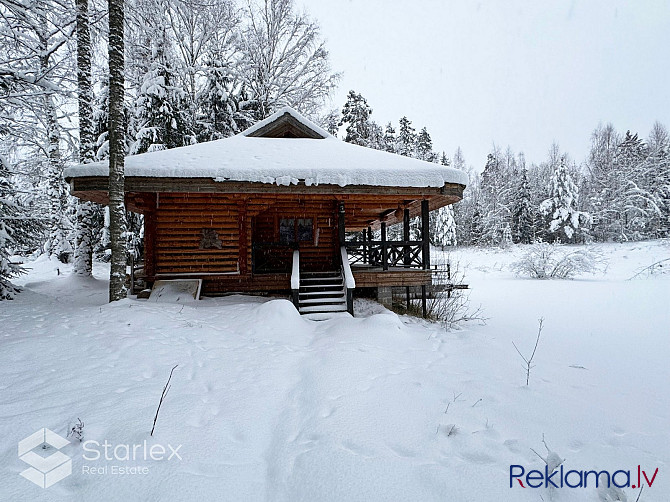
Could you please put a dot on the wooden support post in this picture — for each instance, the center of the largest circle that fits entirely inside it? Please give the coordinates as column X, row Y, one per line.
column 385, row 251
column 243, row 253
column 350, row 301
column 150, row 237
column 424, row 308
column 340, row 224
column 425, row 235
column 405, row 237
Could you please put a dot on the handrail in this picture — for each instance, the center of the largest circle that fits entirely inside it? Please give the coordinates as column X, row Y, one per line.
column 295, row 279
column 349, row 281
column 346, row 269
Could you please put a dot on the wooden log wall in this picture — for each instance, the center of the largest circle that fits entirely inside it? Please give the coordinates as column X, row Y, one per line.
column 180, row 221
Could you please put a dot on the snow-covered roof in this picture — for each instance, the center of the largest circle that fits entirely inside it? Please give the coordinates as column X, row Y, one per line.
column 283, row 161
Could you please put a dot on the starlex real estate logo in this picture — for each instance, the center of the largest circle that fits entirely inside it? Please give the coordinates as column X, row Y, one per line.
column 45, row 471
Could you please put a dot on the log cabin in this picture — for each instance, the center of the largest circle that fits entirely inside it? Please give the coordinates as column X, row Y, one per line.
column 282, row 207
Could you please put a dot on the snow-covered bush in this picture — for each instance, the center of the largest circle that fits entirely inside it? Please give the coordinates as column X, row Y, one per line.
column 554, row 261
column 451, row 307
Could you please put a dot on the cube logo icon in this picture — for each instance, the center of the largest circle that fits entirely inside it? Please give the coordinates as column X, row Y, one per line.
column 45, row 471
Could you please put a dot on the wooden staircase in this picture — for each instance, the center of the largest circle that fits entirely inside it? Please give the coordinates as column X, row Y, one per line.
column 322, row 293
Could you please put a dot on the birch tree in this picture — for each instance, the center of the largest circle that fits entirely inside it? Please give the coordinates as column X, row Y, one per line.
column 83, row 253
column 117, row 212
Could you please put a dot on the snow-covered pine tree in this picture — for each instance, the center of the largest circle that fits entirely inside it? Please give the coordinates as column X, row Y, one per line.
column 8, row 211
column 330, row 122
column 376, row 138
column 523, row 213
column 444, row 160
column 565, row 223
column 17, row 226
column 424, row 146
column 356, row 116
column 445, row 227
column 389, row 138
column 218, row 105
column 160, row 120
column 406, row 139
column 494, row 190
column 604, row 182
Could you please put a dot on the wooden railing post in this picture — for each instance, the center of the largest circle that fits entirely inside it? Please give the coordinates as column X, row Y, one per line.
column 425, row 234
column 425, row 241
column 385, row 251
column 405, row 237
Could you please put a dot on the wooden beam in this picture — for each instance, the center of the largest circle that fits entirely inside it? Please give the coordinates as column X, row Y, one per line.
column 208, row 185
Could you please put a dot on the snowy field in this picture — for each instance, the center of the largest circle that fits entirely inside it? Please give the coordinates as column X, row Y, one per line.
column 267, row 405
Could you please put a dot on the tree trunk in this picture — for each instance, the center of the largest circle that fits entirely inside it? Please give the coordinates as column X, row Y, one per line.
column 117, row 212
column 83, row 254
column 58, row 244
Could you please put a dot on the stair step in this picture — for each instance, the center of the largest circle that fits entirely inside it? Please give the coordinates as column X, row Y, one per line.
column 324, row 301
column 321, row 294
column 325, row 316
column 313, row 309
column 329, row 273
column 321, row 288
column 324, row 280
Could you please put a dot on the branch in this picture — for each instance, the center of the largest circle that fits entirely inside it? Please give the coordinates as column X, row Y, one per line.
column 163, row 394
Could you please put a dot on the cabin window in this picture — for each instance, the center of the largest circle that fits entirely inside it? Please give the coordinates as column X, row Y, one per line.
column 292, row 230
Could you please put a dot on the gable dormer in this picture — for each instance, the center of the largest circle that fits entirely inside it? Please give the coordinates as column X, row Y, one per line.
column 286, row 123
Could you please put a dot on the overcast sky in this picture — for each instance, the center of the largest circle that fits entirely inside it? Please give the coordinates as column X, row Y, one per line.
column 517, row 73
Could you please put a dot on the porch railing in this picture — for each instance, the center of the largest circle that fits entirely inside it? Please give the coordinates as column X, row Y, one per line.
column 386, row 254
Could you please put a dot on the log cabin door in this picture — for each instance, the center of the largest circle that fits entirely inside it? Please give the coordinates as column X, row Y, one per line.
column 277, row 234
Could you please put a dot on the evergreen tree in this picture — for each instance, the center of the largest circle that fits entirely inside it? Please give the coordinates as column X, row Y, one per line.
column 219, row 114
column 523, row 217
column 389, row 138
column 444, row 160
column 445, row 227
column 356, row 116
column 331, row 122
column 159, row 113
column 406, row 139
column 424, row 146
column 17, row 226
column 495, row 213
column 565, row 222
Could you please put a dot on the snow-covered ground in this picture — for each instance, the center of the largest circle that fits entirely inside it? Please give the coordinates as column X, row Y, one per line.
column 267, row 405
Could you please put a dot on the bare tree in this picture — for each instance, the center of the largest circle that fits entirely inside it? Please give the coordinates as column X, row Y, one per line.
column 117, row 211
column 285, row 60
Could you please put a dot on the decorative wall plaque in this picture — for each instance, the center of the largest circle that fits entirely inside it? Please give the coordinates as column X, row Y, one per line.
column 210, row 239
